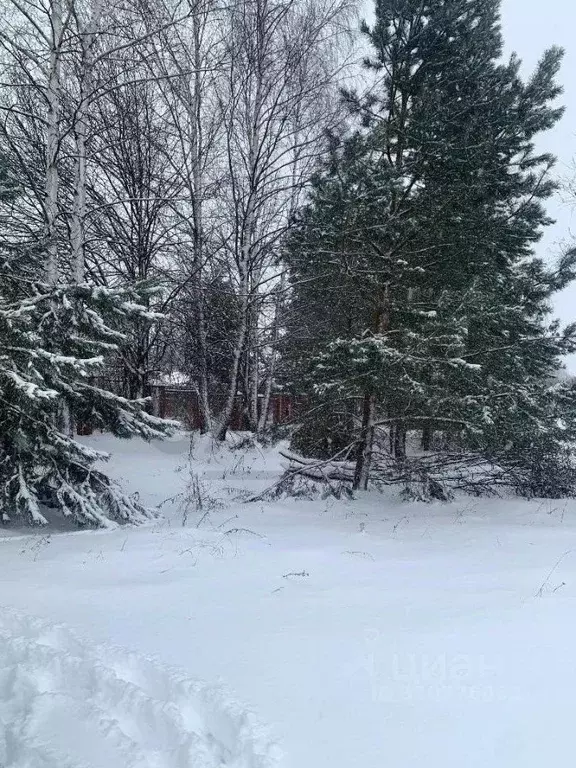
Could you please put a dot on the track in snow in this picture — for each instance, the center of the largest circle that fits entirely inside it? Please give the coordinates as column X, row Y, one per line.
column 66, row 704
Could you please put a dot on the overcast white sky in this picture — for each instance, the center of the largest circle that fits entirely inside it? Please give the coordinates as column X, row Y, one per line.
column 529, row 27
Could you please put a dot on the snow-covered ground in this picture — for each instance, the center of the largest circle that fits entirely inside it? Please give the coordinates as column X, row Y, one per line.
column 362, row 633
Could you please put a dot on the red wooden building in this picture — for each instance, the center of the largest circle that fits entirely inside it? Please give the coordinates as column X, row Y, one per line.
column 174, row 398
column 179, row 401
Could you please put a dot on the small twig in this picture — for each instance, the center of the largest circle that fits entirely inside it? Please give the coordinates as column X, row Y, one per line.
column 244, row 530
column 398, row 523
column 234, row 517
column 357, row 553
column 204, row 516
column 169, row 500
column 548, row 577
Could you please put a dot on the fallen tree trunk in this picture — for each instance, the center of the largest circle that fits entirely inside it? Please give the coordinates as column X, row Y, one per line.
column 434, row 476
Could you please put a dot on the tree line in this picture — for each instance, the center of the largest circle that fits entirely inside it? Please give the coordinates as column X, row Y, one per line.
column 219, row 189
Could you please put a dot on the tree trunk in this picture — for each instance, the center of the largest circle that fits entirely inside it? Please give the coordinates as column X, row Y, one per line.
column 223, row 422
column 201, row 338
column 246, row 215
column 427, row 435
column 252, row 365
column 400, row 441
column 195, row 113
column 381, row 324
column 263, row 419
column 52, row 181
column 366, row 443
column 246, row 259
column 52, row 178
column 78, row 219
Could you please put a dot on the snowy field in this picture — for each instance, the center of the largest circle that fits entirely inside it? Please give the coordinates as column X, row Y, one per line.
column 297, row 634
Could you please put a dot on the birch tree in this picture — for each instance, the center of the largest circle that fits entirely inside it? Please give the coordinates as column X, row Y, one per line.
column 191, row 59
column 276, row 103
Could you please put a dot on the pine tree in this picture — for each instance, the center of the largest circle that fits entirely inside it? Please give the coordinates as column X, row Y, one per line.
column 419, row 236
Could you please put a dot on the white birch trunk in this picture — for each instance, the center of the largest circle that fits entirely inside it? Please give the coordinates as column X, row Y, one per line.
column 195, row 115
column 243, row 331
column 52, row 181
column 223, row 423
column 263, row 420
column 78, row 218
column 247, row 266
column 253, row 355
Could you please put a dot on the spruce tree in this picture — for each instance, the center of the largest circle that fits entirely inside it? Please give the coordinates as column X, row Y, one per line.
column 54, row 341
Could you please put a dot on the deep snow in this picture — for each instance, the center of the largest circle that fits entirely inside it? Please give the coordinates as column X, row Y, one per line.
column 364, row 633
